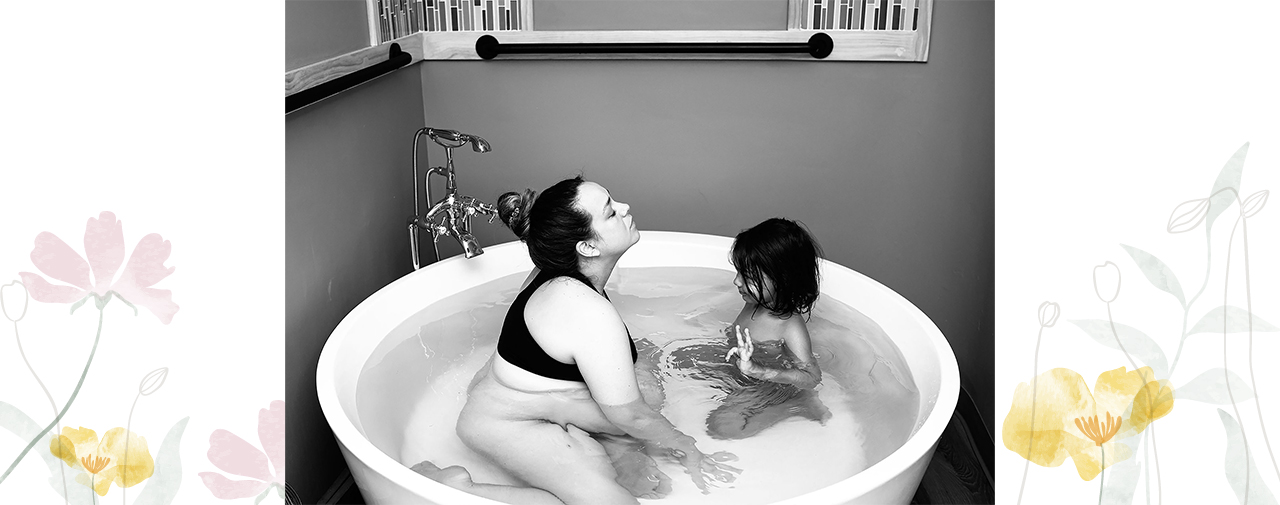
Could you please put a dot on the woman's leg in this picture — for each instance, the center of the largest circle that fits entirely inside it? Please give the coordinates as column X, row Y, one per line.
column 459, row 478
column 563, row 461
column 539, row 438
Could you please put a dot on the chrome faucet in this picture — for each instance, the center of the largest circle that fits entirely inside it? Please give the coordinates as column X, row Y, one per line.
column 451, row 215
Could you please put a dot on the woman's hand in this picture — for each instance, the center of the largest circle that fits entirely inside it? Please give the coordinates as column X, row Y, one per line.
column 700, row 466
column 744, row 349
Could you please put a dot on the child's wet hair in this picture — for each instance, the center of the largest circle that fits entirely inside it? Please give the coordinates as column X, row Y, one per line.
column 782, row 251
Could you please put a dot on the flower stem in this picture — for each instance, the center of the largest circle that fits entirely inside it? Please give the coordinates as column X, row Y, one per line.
column 1035, row 369
column 1112, row 321
column 74, row 393
column 1248, row 305
column 1146, row 469
column 1156, row 453
column 1145, row 379
column 1102, row 473
column 1186, row 309
column 124, row 462
column 1226, row 375
column 53, row 405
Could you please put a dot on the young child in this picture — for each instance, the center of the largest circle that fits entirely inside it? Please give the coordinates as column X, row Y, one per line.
column 777, row 264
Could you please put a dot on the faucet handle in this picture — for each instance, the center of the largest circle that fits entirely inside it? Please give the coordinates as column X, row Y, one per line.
column 485, row 208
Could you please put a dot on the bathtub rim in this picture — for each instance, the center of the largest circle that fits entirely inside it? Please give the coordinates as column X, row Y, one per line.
column 514, row 258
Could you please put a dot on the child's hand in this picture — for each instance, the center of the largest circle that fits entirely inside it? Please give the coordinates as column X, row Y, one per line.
column 744, row 349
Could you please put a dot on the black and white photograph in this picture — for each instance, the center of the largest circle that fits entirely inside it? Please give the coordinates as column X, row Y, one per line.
column 686, row 252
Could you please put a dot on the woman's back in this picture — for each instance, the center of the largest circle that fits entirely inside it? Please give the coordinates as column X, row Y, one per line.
column 545, row 325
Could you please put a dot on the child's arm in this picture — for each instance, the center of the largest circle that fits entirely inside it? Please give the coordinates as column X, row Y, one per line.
column 806, row 375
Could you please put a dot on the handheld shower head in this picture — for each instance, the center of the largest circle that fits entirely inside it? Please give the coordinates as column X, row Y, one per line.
column 453, row 138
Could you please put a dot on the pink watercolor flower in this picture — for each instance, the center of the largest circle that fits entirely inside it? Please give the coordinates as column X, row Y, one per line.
column 104, row 248
column 233, row 455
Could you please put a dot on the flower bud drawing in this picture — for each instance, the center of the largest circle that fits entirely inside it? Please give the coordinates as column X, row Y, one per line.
column 13, row 295
column 152, row 381
column 1254, row 203
column 1188, row 215
column 1048, row 314
column 1106, row 281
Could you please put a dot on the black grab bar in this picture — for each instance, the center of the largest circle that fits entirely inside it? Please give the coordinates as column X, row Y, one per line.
column 396, row 58
column 819, row 46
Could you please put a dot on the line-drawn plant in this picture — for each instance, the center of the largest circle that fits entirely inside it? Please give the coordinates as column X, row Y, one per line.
column 8, row 298
column 1048, row 313
column 150, row 384
column 1214, row 386
column 94, row 277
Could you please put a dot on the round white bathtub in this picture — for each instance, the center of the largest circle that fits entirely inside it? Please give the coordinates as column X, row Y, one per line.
column 383, row 480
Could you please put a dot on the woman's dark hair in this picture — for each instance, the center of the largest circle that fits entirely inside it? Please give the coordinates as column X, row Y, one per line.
column 782, row 251
column 550, row 223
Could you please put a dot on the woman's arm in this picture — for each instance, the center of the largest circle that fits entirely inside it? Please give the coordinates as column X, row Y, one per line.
column 602, row 350
column 599, row 344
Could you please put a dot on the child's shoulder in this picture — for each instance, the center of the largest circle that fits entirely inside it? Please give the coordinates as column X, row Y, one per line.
column 795, row 323
column 766, row 327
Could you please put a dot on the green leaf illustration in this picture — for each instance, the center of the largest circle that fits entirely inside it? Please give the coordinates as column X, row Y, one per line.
column 1211, row 387
column 1160, row 275
column 25, row 428
column 1144, row 350
column 163, row 484
column 1235, row 464
column 1121, row 479
column 77, row 305
column 17, row 422
column 1229, row 177
column 1234, row 319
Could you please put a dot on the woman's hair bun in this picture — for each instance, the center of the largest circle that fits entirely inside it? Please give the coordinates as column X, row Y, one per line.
column 513, row 209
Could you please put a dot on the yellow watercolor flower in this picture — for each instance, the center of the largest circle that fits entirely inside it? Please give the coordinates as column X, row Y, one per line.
column 104, row 462
column 1061, row 418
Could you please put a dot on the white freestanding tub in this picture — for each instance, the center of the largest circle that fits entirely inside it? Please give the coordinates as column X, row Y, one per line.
column 383, row 480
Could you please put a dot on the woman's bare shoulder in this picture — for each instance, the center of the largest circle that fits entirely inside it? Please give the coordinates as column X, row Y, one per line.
column 566, row 297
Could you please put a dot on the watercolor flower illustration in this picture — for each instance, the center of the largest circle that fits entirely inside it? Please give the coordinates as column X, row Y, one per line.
column 233, row 455
column 94, row 277
column 1062, row 418
column 121, row 457
column 95, row 274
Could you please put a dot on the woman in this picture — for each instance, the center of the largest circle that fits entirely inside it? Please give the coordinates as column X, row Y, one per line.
column 565, row 369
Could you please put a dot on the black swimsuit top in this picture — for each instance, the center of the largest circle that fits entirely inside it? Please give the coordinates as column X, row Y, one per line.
column 518, row 347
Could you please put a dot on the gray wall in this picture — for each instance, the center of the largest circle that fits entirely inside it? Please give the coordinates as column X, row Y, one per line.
column 347, row 198
column 346, row 201
column 890, row 164
column 316, row 30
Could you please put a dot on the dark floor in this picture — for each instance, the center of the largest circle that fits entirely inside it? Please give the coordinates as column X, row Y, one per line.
column 960, row 473
column 961, row 470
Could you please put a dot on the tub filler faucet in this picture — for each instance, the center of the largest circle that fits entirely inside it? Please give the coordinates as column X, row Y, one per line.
column 451, row 215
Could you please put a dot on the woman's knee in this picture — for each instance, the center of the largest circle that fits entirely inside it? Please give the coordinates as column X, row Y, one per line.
column 472, row 428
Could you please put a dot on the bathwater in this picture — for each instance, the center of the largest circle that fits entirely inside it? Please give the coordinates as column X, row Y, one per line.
column 414, row 385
